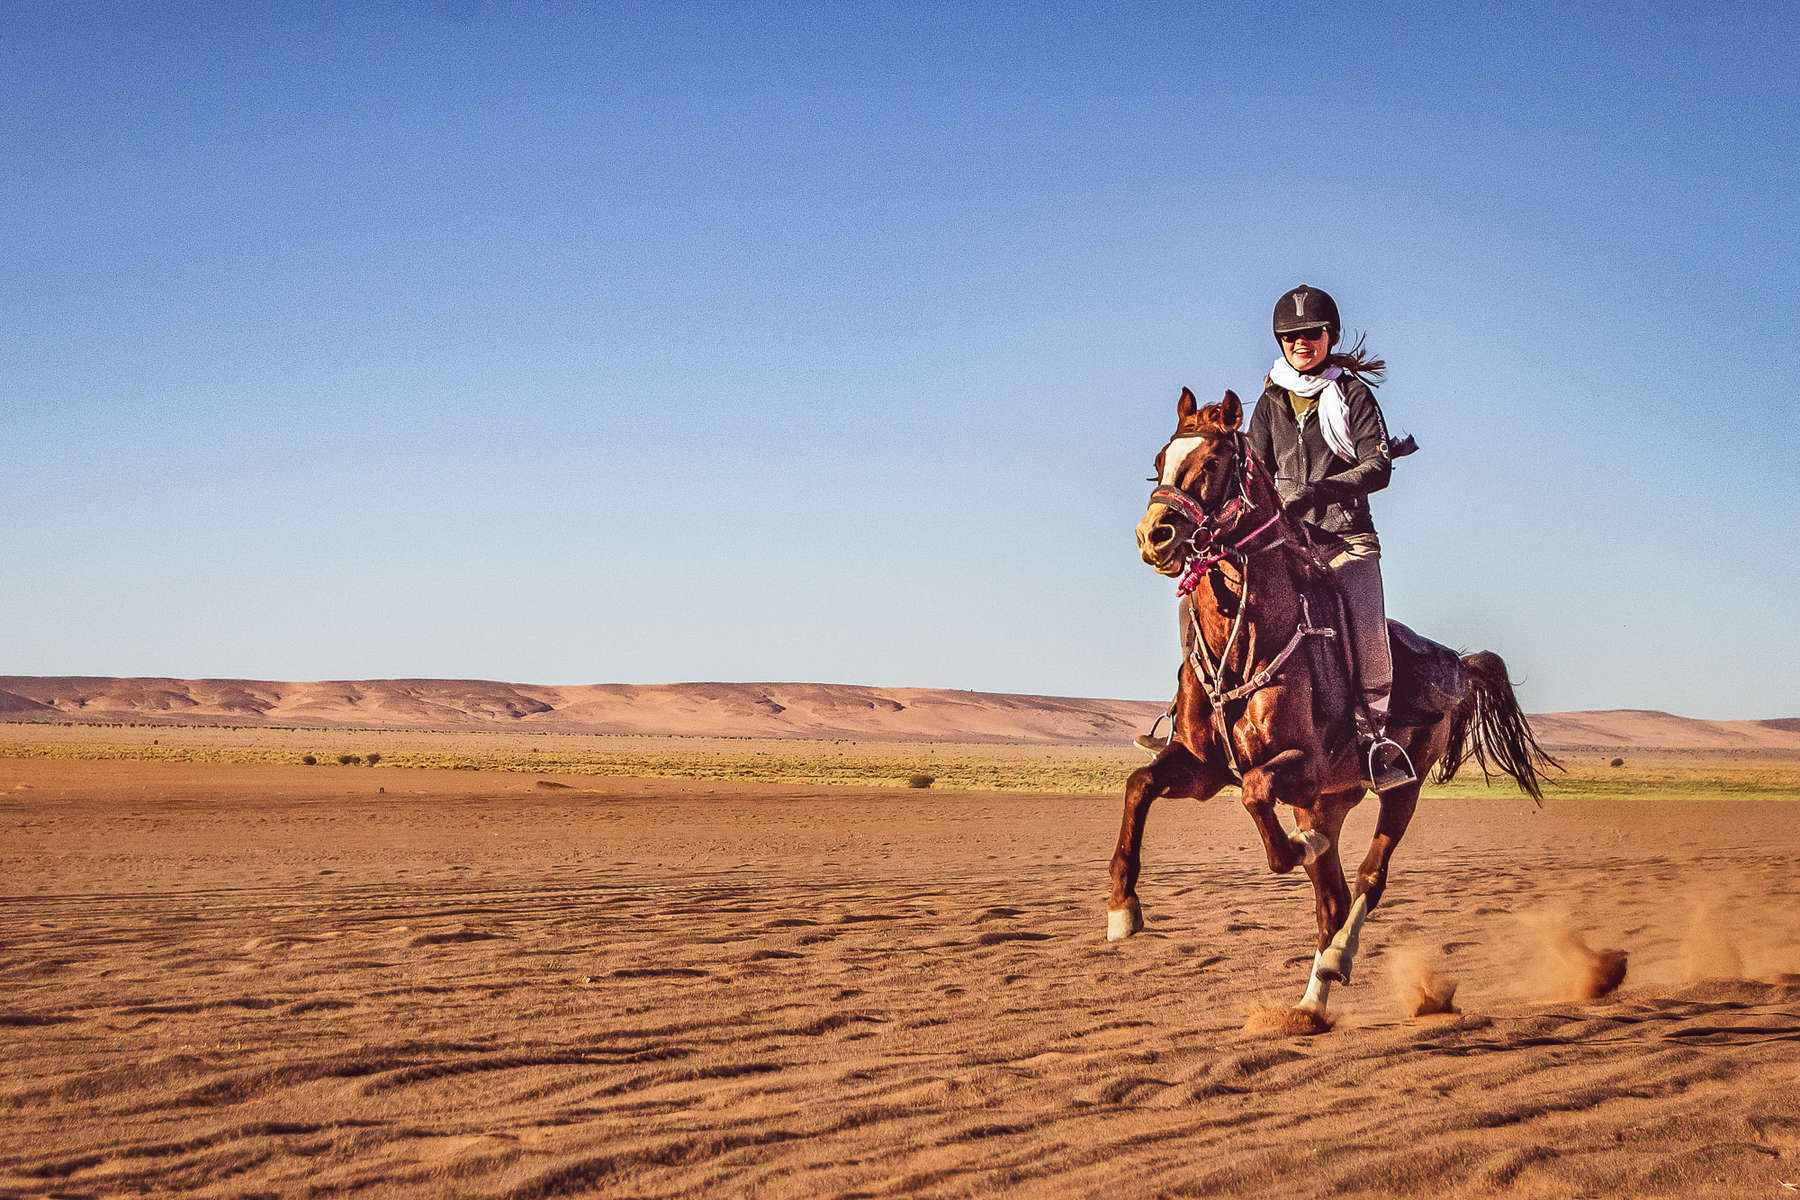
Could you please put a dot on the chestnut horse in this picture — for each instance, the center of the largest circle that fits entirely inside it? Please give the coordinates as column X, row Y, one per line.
column 1265, row 692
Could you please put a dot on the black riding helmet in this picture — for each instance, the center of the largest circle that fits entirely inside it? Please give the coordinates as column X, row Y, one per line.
column 1306, row 307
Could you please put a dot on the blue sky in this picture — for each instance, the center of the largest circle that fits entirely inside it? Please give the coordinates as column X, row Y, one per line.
column 783, row 342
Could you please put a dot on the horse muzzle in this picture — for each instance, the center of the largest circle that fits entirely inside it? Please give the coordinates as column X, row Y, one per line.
column 1159, row 539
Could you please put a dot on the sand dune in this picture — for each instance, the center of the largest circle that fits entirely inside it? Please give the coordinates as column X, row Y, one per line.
column 779, row 710
column 1629, row 728
column 229, row 981
column 796, row 710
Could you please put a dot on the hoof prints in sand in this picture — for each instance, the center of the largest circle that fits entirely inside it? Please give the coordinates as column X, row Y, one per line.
column 944, row 1025
column 715, row 1044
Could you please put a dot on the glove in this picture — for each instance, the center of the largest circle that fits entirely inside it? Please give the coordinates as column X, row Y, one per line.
column 1296, row 498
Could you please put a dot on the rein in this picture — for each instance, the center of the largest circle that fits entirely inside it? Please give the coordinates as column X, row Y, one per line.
column 1201, row 565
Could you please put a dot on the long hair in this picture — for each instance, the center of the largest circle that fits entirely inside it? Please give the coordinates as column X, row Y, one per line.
column 1359, row 362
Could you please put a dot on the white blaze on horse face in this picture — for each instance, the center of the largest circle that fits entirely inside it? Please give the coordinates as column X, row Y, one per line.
column 1175, row 454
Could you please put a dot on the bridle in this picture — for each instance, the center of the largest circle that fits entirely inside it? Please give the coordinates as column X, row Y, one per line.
column 1206, row 548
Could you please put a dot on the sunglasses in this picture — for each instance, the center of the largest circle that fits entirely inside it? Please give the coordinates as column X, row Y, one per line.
column 1303, row 335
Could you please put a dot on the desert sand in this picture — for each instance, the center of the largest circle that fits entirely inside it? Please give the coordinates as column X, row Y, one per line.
column 236, row 980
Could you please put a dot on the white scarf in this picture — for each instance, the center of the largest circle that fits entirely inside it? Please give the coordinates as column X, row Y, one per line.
column 1334, row 410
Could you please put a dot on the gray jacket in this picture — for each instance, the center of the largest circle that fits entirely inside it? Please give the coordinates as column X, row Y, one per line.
column 1294, row 455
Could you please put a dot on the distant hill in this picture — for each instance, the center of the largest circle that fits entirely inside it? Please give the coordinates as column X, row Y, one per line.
column 780, row 710
column 1648, row 729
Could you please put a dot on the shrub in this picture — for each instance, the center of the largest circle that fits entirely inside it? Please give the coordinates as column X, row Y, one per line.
column 371, row 759
column 311, row 760
column 920, row 781
column 349, row 760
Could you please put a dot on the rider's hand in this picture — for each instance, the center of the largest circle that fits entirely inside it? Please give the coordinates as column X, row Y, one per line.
column 1295, row 497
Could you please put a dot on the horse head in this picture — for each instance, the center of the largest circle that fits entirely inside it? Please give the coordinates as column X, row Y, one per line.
column 1197, row 472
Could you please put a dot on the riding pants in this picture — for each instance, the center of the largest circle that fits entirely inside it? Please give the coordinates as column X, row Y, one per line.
column 1355, row 562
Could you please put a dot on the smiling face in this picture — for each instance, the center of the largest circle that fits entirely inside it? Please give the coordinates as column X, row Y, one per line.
column 1306, row 349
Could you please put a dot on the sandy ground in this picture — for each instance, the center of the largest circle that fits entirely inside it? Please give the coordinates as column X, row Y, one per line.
column 261, row 980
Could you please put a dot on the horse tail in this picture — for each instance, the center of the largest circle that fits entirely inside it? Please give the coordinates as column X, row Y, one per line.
column 1489, row 726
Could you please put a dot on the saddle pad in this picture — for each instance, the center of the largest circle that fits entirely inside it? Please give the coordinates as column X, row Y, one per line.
column 1428, row 678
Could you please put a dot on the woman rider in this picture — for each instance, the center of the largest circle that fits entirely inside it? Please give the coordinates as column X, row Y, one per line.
column 1319, row 433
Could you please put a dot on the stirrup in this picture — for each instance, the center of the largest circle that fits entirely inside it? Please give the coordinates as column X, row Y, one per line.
column 1151, row 744
column 1390, row 774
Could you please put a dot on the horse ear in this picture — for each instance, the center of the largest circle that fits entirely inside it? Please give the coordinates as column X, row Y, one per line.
column 1231, row 410
column 1187, row 405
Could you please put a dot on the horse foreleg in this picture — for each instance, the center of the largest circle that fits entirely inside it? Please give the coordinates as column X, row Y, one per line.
column 1331, row 895
column 1397, row 806
column 1176, row 772
column 1260, row 793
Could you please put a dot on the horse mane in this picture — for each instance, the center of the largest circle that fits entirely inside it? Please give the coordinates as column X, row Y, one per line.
column 1359, row 361
column 1304, row 561
column 1210, row 421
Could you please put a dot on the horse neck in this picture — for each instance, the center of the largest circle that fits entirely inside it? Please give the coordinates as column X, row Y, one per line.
column 1270, row 616
column 1295, row 560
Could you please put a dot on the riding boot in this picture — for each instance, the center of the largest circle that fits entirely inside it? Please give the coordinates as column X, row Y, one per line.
column 1357, row 568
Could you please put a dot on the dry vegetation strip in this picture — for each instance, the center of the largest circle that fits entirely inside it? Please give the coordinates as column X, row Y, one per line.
column 1098, row 770
column 842, row 764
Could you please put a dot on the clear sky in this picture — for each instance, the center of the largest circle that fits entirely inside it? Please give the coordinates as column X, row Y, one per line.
column 661, row 342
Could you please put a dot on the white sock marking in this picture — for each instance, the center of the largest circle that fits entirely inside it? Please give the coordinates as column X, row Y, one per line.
column 1318, row 990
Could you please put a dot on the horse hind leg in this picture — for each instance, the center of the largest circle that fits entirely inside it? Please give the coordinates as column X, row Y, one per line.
column 1397, row 808
column 1175, row 772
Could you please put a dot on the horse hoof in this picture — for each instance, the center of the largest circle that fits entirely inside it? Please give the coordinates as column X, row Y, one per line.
column 1333, row 963
column 1121, row 923
column 1309, row 1019
column 1303, row 1020
column 1312, row 843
